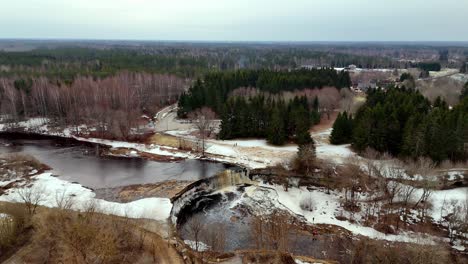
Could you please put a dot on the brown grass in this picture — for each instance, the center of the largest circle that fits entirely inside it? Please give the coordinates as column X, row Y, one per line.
column 14, row 228
column 63, row 236
column 171, row 141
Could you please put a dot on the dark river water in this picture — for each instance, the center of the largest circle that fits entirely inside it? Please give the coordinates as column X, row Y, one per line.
column 76, row 162
column 232, row 221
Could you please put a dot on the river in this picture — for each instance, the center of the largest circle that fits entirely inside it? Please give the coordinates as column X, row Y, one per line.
column 77, row 162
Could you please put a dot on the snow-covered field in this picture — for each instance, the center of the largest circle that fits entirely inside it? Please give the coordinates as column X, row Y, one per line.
column 52, row 191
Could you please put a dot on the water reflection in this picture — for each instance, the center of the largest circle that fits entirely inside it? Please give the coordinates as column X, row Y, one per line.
column 78, row 163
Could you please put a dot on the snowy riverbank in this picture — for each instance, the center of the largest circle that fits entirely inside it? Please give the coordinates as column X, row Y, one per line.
column 52, row 192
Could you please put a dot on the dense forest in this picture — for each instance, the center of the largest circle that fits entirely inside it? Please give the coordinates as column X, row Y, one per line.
column 265, row 114
column 215, row 88
column 428, row 66
column 404, row 123
column 275, row 120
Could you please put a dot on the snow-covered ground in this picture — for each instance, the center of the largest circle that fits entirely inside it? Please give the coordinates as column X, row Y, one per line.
column 331, row 153
column 461, row 77
column 152, row 149
column 364, row 70
column 443, row 72
column 326, row 207
column 197, row 245
column 53, row 189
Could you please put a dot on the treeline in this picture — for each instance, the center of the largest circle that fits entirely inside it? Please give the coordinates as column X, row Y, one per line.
column 428, row 66
column 67, row 63
column 113, row 105
column 464, row 92
column 464, row 67
column 404, row 123
column 185, row 60
column 215, row 88
column 276, row 120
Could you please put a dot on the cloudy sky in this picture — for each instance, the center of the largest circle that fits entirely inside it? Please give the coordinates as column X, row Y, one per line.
column 237, row 20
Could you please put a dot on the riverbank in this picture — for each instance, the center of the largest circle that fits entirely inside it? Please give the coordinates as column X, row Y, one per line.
column 214, row 151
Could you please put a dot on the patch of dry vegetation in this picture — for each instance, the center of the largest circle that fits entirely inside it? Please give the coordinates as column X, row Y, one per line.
column 17, row 165
column 372, row 251
column 14, row 228
column 64, row 236
column 171, row 141
column 447, row 88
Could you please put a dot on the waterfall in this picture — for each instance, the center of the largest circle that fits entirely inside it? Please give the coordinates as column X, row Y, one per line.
column 222, row 180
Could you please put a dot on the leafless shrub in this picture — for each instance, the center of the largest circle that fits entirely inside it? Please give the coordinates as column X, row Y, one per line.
column 64, row 201
column 307, row 204
column 423, row 202
column 353, row 179
column 423, row 167
column 32, row 197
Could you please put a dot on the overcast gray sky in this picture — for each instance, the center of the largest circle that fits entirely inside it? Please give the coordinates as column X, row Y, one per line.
column 237, row 20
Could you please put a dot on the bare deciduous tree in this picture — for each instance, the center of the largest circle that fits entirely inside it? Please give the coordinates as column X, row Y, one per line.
column 195, row 228
column 203, row 121
column 113, row 104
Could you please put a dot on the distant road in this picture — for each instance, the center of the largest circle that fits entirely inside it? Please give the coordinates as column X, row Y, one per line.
column 166, row 120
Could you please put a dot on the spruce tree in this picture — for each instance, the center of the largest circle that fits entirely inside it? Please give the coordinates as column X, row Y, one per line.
column 464, row 93
column 276, row 134
column 342, row 130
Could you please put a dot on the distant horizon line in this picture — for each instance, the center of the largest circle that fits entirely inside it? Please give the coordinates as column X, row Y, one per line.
column 229, row 41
